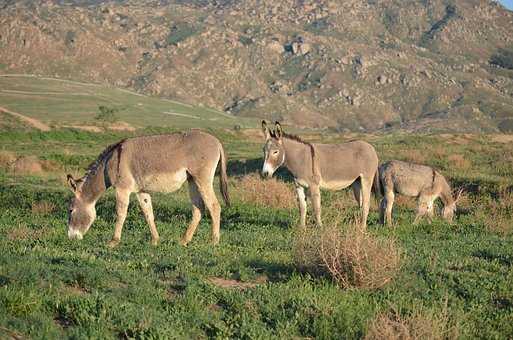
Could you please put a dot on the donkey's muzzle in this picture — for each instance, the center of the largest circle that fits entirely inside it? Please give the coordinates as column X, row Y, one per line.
column 74, row 234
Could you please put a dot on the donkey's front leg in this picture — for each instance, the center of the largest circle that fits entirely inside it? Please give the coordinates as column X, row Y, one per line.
column 145, row 204
column 122, row 201
column 315, row 196
column 301, row 198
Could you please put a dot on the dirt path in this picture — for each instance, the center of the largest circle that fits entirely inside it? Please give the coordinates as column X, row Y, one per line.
column 31, row 121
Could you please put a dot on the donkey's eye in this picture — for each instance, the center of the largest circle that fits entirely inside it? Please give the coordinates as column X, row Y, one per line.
column 275, row 152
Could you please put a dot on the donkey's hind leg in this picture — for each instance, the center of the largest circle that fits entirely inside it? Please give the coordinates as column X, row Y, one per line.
column 366, row 189
column 122, row 201
column 197, row 208
column 387, row 205
column 208, row 195
column 147, row 209
column 315, row 196
column 357, row 191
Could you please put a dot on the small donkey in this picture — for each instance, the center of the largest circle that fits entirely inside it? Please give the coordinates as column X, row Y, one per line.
column 414, row 180
column 147, row 164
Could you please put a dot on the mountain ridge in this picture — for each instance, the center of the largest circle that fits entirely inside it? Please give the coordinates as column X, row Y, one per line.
column 356, row 65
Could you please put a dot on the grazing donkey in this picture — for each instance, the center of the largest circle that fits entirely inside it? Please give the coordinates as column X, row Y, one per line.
column 423, row 182
column 146, row 164
column 326, row 166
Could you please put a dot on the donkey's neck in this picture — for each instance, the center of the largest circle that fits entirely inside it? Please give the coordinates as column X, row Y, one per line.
column 95, row 184
column 298, row 158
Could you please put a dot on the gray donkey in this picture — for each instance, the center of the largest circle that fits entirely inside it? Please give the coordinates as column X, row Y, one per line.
column 414, row 180
column 146, row 164
column 327, row 166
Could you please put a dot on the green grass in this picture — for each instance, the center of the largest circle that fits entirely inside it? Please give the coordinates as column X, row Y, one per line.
column 51, row 287
column 63, row 102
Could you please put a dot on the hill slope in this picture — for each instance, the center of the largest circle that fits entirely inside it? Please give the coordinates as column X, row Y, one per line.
column 350, row 65
column 69, row 103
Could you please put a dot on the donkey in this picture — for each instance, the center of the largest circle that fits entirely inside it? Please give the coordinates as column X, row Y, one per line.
column 414, row 180
column 160, row 163
column 326, row 166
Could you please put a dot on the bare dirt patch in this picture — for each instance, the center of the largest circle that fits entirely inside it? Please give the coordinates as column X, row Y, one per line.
column 89, row 128
column 31, row 121
column 121, row 126
column 236, row 284
column 504, row 139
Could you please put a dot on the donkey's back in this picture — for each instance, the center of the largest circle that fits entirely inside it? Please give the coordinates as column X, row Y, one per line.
column 162, row 163
column 406, row 178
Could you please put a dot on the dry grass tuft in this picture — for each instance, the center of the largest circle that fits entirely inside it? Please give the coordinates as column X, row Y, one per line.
column 353, row 257
column 458, row 161
column 27, row 165
column 497, row 214
column 269, row 192
column 415, row 156
column 7, row 158
column 24, row 233
column 420, row 325
column 42, row 208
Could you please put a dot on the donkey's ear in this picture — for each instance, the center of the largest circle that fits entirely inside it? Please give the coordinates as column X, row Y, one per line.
column 72, row 183
column 265, row 129
column 278, row 130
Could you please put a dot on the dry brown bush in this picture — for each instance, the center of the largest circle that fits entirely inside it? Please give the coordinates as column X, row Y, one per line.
column 7, row 158
column 497, row 214
column 420, row 325
column 269, row 192
column 352, row 257
column 27, row 165
column 42, row 207
column 458, row 161
column 415, row 156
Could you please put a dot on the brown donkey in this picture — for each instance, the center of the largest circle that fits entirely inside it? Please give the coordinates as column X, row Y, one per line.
column 159, row 163
column 326, row 166
column 415, row 180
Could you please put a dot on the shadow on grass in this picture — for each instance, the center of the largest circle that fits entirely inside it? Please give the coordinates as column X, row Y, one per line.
column 239, row 168
column 275, row 272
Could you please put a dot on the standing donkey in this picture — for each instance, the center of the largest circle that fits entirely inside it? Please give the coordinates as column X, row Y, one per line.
column 146, row 164
column 414, row 180
column 326, row 166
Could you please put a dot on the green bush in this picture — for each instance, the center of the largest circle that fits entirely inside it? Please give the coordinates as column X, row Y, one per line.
column 106, row 114
column 503, row 58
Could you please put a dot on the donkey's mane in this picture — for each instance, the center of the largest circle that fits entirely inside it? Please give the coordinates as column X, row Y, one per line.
column 296, row 138
column 93, row 167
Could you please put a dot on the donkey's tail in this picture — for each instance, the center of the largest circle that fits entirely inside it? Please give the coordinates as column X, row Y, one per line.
column 223, row 178
column 377, row 186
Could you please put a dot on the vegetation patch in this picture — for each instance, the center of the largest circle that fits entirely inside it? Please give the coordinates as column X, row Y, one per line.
column 353, row 257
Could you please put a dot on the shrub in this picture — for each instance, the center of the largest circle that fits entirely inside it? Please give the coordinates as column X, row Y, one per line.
column 270, row 192
column 419, row 325
column 106, row 114
column 352, row 258
column 503, row 58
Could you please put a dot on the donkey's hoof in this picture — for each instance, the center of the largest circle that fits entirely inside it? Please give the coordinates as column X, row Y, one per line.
column 184, row 242
column 113, row 243
column 154, row 242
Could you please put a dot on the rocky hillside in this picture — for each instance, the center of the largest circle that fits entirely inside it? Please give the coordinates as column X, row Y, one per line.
column 346, row 65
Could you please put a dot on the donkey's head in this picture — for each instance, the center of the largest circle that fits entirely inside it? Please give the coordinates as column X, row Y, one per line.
column 274, row 153
column 82, row 213
column 450, row 209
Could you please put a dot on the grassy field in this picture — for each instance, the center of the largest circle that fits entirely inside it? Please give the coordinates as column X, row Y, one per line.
column 63, row 102
column 455, row 280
